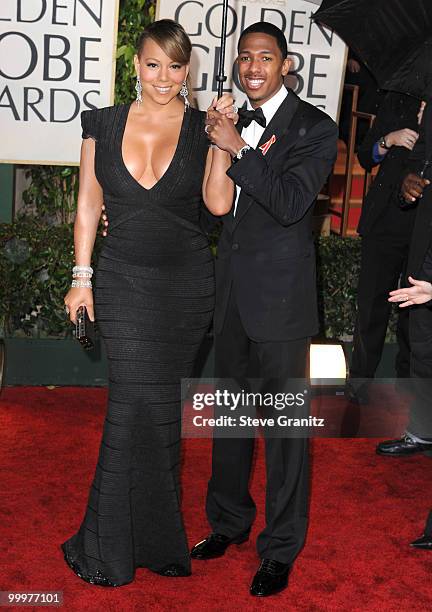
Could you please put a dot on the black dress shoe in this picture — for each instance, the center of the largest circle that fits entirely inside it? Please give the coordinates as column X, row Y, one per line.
column 402, row 447
column 174, row 570
column 271, row 578
column 215, row 545
column 425, row 542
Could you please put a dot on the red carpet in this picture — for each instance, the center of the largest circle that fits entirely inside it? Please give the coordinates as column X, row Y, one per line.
column 364, row 512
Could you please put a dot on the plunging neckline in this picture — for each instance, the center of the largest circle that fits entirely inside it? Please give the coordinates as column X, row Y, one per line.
column 183, row 127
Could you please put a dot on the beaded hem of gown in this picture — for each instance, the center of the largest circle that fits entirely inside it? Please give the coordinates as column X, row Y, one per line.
column 154, row 300
column 71, row 558
column 173, row 570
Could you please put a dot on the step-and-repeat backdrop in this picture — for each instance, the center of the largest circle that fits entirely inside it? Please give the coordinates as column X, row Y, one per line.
column 318, row 53
column 57, row 58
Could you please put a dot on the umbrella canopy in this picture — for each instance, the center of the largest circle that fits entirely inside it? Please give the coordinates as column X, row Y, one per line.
column 324, row 3
column 392, row 37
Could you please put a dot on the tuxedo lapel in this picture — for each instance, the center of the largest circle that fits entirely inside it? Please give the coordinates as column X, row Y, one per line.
column 281, row 119
column 277, row 127
column 243, row 205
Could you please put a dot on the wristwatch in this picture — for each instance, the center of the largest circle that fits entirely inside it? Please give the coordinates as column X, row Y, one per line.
column 382, row 143
column 240, row 153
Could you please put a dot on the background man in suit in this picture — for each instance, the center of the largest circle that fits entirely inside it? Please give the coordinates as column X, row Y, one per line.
column 385, row 228
column 266, row 295
column 416, row 187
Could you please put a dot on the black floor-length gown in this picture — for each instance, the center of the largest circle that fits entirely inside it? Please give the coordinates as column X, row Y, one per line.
column 154, row 298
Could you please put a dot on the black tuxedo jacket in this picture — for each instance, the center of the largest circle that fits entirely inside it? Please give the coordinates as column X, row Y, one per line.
column 266, row 250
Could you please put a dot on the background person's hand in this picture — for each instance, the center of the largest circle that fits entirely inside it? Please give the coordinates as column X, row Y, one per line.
column 419, row 293
column 353, row 65
column 421, row 111
column 413, row 186
column 76, row 297
column 402, row 138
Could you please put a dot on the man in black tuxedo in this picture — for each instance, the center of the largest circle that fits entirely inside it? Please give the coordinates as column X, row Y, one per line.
column 266, row 308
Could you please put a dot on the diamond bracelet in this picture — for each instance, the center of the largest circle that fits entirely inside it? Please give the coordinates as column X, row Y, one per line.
column 78, row 269
column 82, row 283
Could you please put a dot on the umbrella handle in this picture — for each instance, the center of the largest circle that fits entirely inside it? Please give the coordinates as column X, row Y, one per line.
column 220, row 77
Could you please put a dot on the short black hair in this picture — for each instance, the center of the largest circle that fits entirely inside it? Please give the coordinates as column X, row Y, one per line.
column 262, row 27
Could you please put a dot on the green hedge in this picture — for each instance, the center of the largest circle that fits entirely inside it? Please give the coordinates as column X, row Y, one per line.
column 338, row 266
column 35, row 268
column 36, row 261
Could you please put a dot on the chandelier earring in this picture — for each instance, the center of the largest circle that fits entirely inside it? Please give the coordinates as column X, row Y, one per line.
column 138, row 89
column 184, row 92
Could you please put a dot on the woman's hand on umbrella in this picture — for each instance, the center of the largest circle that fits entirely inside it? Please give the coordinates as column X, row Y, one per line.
column 402, row 138
column 221, row 132
column 226, row 106
column 419, row 293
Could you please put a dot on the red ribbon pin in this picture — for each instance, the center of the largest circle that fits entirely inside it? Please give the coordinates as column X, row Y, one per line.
column 266, row 146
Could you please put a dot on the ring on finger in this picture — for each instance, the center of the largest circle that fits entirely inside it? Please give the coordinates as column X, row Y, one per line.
column 235, row 109
column 206, row 129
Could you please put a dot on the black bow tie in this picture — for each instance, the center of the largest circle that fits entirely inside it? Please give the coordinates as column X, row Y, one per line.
column 247, row 116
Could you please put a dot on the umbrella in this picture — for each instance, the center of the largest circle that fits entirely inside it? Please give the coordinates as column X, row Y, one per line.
column 221, row 77
column 323, row 3
column 392, row 37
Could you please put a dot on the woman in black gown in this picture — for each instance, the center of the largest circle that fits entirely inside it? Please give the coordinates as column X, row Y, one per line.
column 150, row 164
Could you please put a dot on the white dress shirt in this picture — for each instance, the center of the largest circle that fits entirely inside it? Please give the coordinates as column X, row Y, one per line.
column 252, row 134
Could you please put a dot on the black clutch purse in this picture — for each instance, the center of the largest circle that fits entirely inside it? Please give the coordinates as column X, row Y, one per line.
column 84, row 329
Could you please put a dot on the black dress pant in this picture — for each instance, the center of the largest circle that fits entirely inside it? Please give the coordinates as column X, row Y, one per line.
column 384, row 255
column 230, row 507
column 420, row 423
